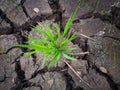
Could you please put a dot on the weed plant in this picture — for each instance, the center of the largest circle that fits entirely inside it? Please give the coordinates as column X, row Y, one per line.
column 53, row 43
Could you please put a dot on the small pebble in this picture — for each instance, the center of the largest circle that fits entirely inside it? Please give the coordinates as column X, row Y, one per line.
column 36, row 10
column 103, row 69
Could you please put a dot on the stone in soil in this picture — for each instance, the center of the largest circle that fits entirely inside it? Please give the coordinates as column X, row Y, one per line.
column 13, row 11
column 41, row 5
column 88, row 27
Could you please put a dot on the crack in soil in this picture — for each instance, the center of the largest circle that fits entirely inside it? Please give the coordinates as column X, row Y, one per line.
column 4, row 17
column 70, row 83
column 26, row 26
column 24, row 9
column 57, row 11
column 20, row 81
column 54, row 4
column 45, row 69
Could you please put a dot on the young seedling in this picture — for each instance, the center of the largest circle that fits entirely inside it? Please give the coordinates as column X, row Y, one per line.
column 53, row 43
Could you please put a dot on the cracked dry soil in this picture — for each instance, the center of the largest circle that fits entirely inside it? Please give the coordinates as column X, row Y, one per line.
column 101, row 68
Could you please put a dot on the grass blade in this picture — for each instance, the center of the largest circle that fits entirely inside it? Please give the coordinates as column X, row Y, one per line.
column 54, row 60
column 29, row 54
column 69, row 22
column 68, row 57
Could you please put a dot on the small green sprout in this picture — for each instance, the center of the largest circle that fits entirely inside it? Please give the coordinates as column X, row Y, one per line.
column 53, row 44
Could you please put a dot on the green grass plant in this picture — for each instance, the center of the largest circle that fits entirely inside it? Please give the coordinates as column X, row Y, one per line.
column 53, row 43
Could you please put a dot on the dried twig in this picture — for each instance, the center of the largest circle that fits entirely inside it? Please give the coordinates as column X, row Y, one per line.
column 76, row 73
column 85, row 36
column 82, row 53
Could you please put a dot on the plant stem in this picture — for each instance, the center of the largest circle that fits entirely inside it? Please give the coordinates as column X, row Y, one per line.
column 85, row 36
column 77, row 73
column 82, row 53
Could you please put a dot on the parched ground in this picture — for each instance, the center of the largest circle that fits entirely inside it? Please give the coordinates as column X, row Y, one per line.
column 100, row 69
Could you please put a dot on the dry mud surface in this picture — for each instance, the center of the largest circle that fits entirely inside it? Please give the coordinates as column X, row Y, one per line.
column 100, row 69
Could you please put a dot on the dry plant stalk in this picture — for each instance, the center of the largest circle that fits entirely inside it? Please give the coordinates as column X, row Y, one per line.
column 82, row 53
column 85, row 36
column 76, row 73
